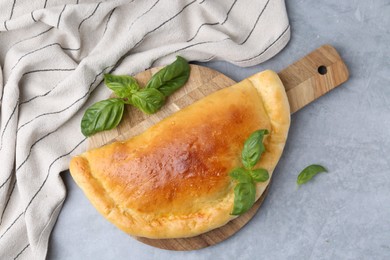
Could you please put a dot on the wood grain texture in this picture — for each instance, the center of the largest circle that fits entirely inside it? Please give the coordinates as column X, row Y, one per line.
column 303, row 84
column 303, row 81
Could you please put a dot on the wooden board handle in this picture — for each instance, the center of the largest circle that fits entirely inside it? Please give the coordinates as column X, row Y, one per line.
column 312, row 76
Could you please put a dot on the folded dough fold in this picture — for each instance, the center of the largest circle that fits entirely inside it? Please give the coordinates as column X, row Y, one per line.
column 172, row 180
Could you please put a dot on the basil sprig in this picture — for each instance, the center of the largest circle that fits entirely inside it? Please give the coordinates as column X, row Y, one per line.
column 309, row 172
column 107, row 114
column 253, row 148
column 122, row 85
column 148, row 101
column 246, row 177
column 103, row 115
column 244, row 197
column 170, row 78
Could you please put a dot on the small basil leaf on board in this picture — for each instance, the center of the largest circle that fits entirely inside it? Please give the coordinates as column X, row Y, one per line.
column 244, row 197
column 241, row 175
column 148, row 100
column 309, row 172
column 123, row 86
column 253, row 148
column 171, row 77
column 259, row 175
column 103, row 115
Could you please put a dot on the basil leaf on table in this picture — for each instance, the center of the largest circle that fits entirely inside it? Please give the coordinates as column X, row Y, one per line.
column 244, row 197
column 241, row 175
column 253, row 148
column 148, row 100
column 171, row 77
column 103, row 115
column 309, row 172
column 123, row 86
column 259, row 175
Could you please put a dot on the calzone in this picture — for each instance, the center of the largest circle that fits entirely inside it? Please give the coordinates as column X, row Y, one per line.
column 173, row 180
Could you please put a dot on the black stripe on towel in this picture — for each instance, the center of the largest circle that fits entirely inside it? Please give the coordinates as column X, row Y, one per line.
column 37, row 96
column 32, row 146
column 5, row 127
column 12, row 9
column 43, row 183
column 269, row 46
column 108, row 20
column 8, row 178
column 90, row 86
column 56, row 112
column 144, row 13
column 10, row 226
column 44, row 47
column 59, row 17
column 212, row 24
column 48, row 171
column 145, row 35
column 94, row 11
column 197, row 31
column 66, row 108
column 165, row 22
column 21, row 252
column 5, row 25
column 39, row 34
column 32, row 16
column 8, row 199
column 227, row 15
column 254, row 26
column 45, row 70
column 192, row 45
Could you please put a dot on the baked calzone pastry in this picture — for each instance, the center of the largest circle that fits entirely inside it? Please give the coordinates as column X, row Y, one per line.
column 173, row 180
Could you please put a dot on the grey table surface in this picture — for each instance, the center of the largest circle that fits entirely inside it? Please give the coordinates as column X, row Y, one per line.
column 343, row 214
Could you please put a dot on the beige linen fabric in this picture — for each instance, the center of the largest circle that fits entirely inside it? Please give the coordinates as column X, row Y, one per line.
column 53, row 55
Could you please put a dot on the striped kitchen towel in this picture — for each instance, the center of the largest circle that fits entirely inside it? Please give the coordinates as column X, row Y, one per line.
column 53, row 54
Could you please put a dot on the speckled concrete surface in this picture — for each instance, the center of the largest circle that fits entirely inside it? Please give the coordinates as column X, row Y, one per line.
column 344, row 214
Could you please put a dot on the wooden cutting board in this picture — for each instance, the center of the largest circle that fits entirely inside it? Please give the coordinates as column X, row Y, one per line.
column 304, row 81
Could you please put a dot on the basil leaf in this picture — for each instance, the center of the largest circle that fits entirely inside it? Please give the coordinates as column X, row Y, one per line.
column 253, row 148
column 259, row 175
column 241, row 175
column 244, row 197
column 309, row 172
column 123, row 86
column 102, row 115
column 148, row 100
column 171, row 77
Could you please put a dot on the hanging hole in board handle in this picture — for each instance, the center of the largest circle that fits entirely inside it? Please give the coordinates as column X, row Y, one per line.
column 322, row 70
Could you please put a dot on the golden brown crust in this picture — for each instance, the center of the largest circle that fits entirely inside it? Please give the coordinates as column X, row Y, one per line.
column 172, row 180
